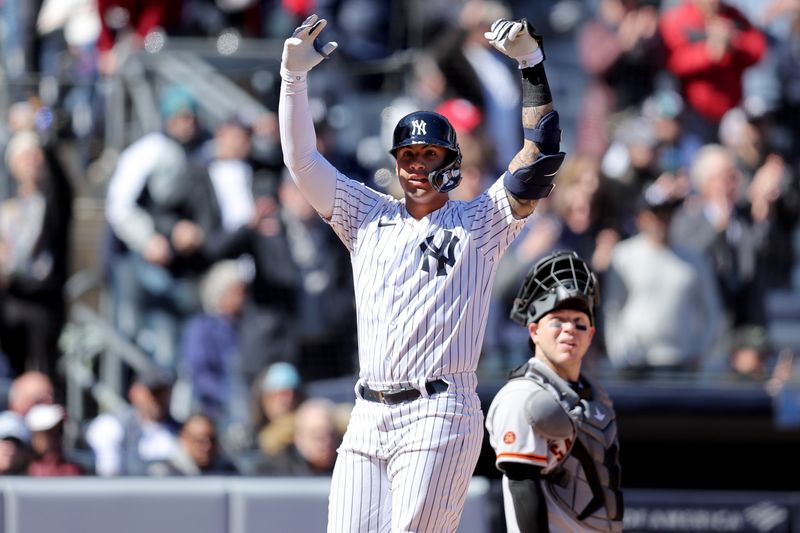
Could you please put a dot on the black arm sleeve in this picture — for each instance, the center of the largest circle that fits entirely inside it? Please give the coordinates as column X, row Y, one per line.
column 530, row 507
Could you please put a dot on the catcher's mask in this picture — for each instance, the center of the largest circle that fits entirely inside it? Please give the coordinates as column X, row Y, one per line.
column 562, row 280
column 428, row 127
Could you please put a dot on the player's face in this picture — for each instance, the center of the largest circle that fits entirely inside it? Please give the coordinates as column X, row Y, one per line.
column 414, row 163
column 562, row 339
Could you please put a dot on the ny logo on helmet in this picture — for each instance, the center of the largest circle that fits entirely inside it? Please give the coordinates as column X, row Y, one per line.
column 418, row 127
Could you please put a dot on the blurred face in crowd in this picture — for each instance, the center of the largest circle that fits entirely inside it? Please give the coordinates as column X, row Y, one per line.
column 722, row 178
column 747, row 362
column 655, row 223
column 182, row 126
column 708, row 7
column 150, row 404
column 46, row 441
column 28, row 167
column 315, row 435
column 232, row 141
column 574, row 205
column 199, row 440
column 29, row 389
column 231, row 302
column 612, row 11
column 277, row 403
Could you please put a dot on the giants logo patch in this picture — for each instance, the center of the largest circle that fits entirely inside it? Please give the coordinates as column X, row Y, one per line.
column 509, row 437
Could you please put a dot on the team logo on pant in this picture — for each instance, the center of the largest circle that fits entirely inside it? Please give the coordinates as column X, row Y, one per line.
column 418, row 127
column 444, row 254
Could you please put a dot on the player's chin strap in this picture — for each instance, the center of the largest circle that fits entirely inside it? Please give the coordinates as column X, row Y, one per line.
column 535, row 181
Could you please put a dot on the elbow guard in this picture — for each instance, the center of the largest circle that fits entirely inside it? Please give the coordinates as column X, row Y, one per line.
column 535, row 181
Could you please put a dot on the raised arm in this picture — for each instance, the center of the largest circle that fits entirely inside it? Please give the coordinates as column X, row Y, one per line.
column 531, row 173
column 315, row 177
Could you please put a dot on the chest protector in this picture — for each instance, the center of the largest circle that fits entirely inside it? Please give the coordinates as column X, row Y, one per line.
column 586, row 482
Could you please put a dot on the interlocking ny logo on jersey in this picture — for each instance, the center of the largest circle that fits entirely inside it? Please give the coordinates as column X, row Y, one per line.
column 444, row 254
column 418, row 127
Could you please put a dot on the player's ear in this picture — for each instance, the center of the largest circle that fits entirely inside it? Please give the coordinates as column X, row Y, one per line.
column 533, row 329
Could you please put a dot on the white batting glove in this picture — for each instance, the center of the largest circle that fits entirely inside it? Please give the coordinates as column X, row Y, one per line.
column 515, row 39
column 302, row 51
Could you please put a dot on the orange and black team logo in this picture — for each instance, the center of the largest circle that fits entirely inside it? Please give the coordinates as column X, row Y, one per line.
column 509, row 437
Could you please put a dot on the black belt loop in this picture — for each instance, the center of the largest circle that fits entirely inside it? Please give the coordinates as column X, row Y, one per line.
column 403, row 395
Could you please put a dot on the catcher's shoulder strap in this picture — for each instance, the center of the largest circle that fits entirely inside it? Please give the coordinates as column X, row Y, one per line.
column 546, row 378
column 548, row 406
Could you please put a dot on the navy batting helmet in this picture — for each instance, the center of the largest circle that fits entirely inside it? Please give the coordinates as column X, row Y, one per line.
column 562, row 280
column 428, row 127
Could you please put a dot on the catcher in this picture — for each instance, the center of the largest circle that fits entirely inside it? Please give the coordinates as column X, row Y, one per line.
column 553, row 430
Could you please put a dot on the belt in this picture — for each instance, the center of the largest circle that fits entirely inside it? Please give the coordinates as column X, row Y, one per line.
column 403, row 395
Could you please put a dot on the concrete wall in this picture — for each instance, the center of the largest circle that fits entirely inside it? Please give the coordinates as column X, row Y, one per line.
column 292, row 505
column 177, row 505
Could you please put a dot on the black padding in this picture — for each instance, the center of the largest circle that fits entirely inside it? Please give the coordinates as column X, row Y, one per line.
column 535, row 88
column 546, row 134
column 534, row 181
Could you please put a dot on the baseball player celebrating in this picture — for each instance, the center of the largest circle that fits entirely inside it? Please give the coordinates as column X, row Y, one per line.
column 423, row 267
column 554, row 431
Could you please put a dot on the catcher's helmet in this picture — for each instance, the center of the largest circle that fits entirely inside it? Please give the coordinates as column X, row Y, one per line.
column 428, row 127
column 562, row 280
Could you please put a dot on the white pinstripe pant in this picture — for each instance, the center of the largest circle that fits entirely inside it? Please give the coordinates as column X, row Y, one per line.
column 406, row 467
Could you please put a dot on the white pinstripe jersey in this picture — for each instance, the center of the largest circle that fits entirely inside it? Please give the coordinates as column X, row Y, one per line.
column 422, row 286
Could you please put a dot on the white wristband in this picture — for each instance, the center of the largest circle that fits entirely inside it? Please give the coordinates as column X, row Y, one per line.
column 531, row 59
column 293, row 75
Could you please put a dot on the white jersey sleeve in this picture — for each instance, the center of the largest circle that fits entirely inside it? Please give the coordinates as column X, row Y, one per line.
column 314, row 175
column 510, row 431
column 492, row 223
column 354, row 205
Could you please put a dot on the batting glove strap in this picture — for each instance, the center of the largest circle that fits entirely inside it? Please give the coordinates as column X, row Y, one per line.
column 530, row 60
column 303, row 51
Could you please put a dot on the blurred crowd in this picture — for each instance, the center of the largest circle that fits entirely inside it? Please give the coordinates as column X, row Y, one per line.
column 680, row 188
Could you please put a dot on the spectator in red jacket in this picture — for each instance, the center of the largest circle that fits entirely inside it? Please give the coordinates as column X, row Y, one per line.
column 709, row 46
column 131, row 21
